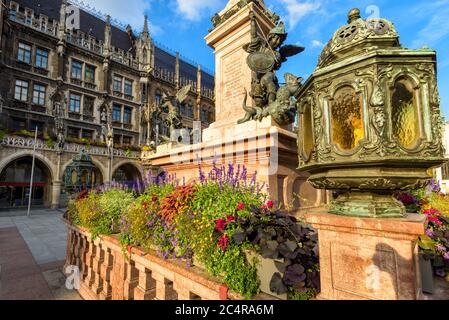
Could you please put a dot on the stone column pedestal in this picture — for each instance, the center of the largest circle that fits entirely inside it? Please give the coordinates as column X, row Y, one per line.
column 368, row 259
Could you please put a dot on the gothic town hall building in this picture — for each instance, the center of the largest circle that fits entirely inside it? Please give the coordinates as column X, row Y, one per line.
column 95, row 73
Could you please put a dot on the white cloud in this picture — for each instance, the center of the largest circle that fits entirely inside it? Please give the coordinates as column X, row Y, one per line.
column 296, row 10
column 130, row 12
column 317, row 44
column 194, row 10
column 436, row 29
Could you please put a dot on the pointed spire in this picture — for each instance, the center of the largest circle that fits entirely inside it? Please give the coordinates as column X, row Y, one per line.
column 146, row 30
column 108, row 32
column 62, row 13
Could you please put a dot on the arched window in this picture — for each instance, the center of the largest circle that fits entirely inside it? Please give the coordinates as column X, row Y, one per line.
column 405, row 116
column 346, row 117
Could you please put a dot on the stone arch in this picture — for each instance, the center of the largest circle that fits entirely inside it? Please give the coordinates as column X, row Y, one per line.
column 23, row 154
column 129, row 165
column 98, row 164
column 17, row 188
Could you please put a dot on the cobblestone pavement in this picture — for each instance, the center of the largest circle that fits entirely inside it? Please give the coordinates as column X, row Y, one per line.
column 32, row 256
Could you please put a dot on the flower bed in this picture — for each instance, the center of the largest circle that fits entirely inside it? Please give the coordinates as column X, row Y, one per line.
column 214, row 223
column 435, row 205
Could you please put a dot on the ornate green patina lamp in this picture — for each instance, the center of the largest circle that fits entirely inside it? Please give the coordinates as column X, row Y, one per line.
column 81, row 174
column 369, row 119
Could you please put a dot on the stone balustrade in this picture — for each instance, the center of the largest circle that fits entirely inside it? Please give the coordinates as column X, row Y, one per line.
column 109, row 273
column 25, row 142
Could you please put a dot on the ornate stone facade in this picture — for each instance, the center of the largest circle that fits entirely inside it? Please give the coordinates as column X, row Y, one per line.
column 86, row 88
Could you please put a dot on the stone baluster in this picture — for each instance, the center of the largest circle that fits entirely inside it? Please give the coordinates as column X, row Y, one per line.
column 97, row 262
column 164, row 288
column 131, row 280
column 183, row 292
column 90, row 253
column 105, row 273
column 146, row 288
column 70, row 251
column 81, row 261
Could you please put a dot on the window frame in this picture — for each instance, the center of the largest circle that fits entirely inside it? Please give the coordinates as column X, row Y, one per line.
column 24, row 55
column 72, row 69
column 115, row 81
column 128, row 83
column 85, row 99
column 86, row 68
column 41, row 94
column 40, row 57
column 127, row 111
column 72, row 94
column 23, row 90
column 116, row 107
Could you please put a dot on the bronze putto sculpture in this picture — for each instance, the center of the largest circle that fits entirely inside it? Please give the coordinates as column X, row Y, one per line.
column 266, row 55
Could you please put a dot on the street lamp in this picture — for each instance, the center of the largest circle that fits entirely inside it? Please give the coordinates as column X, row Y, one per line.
column 369, row 119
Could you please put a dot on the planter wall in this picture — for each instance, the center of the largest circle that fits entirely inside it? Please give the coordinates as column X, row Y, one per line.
column 107, row 274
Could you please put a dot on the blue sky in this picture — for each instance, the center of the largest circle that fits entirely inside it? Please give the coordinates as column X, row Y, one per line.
column 182, row 25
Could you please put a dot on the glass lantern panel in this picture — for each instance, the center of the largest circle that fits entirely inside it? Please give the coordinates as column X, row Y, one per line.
column 347, row 120
column 74, row 177
column 405, row 115
column 84, row 177
column 307, row 131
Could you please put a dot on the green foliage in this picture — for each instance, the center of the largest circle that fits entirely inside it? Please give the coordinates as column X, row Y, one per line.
column 237, row 273
column 309, row 294
column 2, row 134
column 101, row 212
column 198, row 223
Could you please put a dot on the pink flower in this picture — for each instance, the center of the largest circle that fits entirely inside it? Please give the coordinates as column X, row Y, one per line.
column 223, row 243
column 241, row 206
column 231, row 219
column 220, row 224
column 434, row 220
column 270, row 204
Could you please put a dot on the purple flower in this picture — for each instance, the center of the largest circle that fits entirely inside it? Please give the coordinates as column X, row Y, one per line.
column 440, row 247
column 446, row 256
column 429, row 232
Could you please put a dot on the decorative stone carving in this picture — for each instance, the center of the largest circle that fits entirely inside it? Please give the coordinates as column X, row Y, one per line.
column 172, row 103
column 372, row 134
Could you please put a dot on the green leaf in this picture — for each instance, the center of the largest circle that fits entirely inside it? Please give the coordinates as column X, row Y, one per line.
column 277, row 285
column 426, row 243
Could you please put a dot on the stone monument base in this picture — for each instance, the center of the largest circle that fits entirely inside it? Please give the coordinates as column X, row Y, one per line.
column 368, row 259
column 260, row 146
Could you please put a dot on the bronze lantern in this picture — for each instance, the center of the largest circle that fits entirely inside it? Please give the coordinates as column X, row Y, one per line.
column 369, row 119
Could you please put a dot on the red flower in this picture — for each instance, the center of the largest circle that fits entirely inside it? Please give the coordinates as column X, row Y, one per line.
column 434, row 220
column 154, row 198
column 270, row 204
column 220, row 225
column 145, row 205
column 241, row 206
column 223, row 243
column 231, row 219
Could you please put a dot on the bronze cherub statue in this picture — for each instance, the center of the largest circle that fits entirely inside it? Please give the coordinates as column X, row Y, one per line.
column 266, row 55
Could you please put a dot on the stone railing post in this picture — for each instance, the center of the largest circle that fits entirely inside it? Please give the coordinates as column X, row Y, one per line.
column 164, row 288
column 146, row 288
column 131, row 280
column 90, row 253
column 105, row 274
column 97, row 262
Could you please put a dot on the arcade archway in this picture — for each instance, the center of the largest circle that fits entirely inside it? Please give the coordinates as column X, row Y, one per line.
column 127, row 174
column 15, row 184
